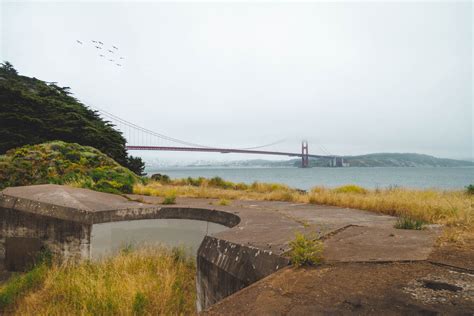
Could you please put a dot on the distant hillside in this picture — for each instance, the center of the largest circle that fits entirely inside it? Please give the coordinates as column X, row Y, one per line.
column 403, row 160
column 369, row 160
column 34, row 111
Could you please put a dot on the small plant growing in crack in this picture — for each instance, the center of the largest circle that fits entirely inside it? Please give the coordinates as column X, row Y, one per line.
column 306, row 251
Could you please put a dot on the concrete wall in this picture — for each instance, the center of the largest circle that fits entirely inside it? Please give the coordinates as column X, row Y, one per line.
column 65, row 238
column 224, row 268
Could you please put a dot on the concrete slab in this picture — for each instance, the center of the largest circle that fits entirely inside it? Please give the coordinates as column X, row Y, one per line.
column 74, row 198
column 364, row 244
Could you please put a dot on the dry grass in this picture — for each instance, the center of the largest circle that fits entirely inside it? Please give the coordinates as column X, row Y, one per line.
column 451, row 208
column 151, row 281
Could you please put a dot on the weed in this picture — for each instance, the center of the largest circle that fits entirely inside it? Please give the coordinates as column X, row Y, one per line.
column 223, row 202
column 139, row 303
column 305, row 251
column 170, row 198
column 404, row 222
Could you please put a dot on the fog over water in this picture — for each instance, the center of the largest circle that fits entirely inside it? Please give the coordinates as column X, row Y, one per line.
column 351, row 78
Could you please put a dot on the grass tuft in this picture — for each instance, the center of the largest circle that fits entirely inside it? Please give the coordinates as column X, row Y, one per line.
column 223, row 202
column 409, row 223
column 170, row 198
column 306, row 251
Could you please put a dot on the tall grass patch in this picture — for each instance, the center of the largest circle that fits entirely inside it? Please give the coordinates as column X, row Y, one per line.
column 447, row 207
column 145, row 281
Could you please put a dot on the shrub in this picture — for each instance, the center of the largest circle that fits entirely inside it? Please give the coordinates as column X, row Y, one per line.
column 470, row 189
column 404, row 222
column 351, row 188
column 170, row 198
column 64, row 163
column 305, row 251
column 160, row 178
column 218, row 182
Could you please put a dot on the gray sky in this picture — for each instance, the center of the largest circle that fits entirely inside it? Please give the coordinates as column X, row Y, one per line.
column 352, row 77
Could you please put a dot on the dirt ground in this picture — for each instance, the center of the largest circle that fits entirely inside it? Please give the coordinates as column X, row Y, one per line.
column 442, row 285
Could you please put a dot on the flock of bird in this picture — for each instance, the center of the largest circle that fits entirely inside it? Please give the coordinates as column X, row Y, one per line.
column 107, row 52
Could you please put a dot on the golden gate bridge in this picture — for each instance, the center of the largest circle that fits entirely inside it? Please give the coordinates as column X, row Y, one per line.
column 140, row 138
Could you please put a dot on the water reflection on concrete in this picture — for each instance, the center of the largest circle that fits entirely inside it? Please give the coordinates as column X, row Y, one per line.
column 108, row 238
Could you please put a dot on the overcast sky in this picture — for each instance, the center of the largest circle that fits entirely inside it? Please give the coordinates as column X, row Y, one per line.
column 353, row 77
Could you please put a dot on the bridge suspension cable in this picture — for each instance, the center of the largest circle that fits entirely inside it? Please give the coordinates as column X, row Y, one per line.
column 114, row 119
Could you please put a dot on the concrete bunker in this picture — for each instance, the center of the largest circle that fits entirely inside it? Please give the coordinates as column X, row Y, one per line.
column 61, row 219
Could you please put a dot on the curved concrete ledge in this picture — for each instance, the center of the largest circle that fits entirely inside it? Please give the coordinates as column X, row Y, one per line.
column 91, row 207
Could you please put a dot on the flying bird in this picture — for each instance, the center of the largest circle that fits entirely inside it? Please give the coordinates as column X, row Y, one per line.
column 98, row 47
column 122, row 58
column 111, row 60
column 101, row 55
column 114, row 47
column 101, row 43
column 94, row 41
column 110, row 51
column 79, row 42
column 119, row 65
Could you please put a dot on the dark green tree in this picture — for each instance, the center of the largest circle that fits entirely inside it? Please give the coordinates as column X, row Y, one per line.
column 136, row 164
column 33, row 111
column 8, row 68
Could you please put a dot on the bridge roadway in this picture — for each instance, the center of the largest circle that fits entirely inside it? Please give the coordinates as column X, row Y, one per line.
column 226, row 151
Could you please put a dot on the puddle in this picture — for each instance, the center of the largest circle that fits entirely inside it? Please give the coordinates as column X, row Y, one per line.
column 108, row 238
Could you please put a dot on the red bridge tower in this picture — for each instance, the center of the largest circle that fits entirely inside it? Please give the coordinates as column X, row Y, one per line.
column 304, row 154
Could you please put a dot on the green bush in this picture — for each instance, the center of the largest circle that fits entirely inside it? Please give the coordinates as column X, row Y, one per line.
column 305, row 251
column 64, row 163
column 160, row 177
column 409, row 223
column 470, row 189
column 170, row 198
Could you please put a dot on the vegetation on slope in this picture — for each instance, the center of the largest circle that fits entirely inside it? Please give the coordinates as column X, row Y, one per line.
column 64, row 163
column 403, row 160
column 33, row 111
column 452, row 208
column 145, row 281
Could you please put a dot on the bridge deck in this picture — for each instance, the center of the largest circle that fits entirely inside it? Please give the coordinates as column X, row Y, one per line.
column 224, row 151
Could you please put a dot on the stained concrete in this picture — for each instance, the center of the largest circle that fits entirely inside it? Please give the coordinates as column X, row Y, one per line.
column 255, row 246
